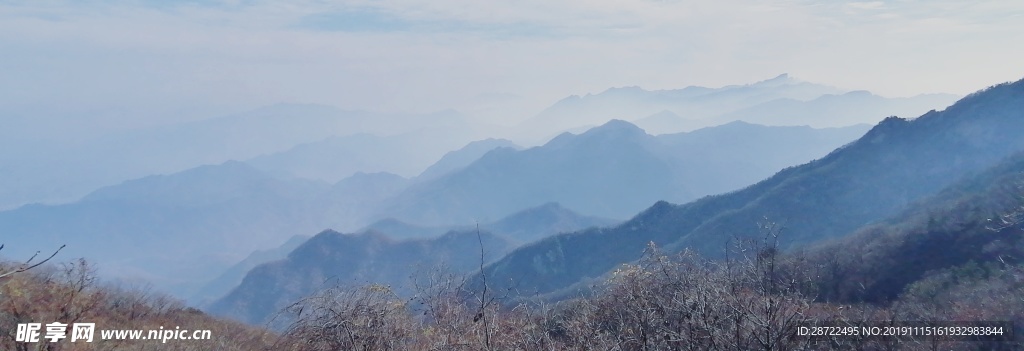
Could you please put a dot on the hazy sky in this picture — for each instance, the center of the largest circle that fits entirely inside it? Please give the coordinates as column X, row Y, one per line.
column 130, row 56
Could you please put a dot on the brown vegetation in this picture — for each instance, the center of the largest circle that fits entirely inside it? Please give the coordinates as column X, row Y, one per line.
column 70, row 293
column 754, row 300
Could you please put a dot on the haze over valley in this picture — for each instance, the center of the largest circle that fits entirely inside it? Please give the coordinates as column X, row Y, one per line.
column 436, row 175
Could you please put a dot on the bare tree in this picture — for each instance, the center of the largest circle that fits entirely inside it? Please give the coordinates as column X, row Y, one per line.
column 28, row 264
column 366, row 318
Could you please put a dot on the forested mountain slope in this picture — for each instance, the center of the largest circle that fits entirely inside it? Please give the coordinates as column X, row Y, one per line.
column 331, row 258
column 895, row 164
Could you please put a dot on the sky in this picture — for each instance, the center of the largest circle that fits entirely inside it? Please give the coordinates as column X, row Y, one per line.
column 139, row 62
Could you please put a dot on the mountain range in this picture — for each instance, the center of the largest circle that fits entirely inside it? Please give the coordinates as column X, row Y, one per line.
column 974, row 225
column 331, row 258
column 521, row 227
column 613, row 171
column 896, row 163
column 58, row 171
column 780, row 101
column 406, row 153
column 458, row 159
column 516, row 229
column 171, row 230
column 196, row 230
column 232, row 276
column 196, row 222
column 833, row 110
column 317, row 141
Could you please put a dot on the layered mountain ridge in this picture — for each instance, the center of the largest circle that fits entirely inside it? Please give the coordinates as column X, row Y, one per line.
column 896, row 163
column 331, row 258
column 780, row 101
column 614, row 171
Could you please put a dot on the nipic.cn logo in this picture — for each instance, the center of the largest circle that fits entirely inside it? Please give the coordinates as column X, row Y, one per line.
column 54, row 332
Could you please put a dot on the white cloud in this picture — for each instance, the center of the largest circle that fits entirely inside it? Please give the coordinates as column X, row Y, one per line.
column 421, row 55
column 864, row 5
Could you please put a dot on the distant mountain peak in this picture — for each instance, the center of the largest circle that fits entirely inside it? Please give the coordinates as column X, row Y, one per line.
column 613, row 129
column 626, row 89
column 859, row 93
column 569, row 99
column 782, row 79
column 616, row 127
column 735, row 127
column 206, row 178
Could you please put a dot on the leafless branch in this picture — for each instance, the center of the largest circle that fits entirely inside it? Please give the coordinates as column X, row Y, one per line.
column 27, row 265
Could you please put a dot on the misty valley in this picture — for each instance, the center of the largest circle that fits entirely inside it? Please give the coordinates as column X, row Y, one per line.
column 703, row 218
